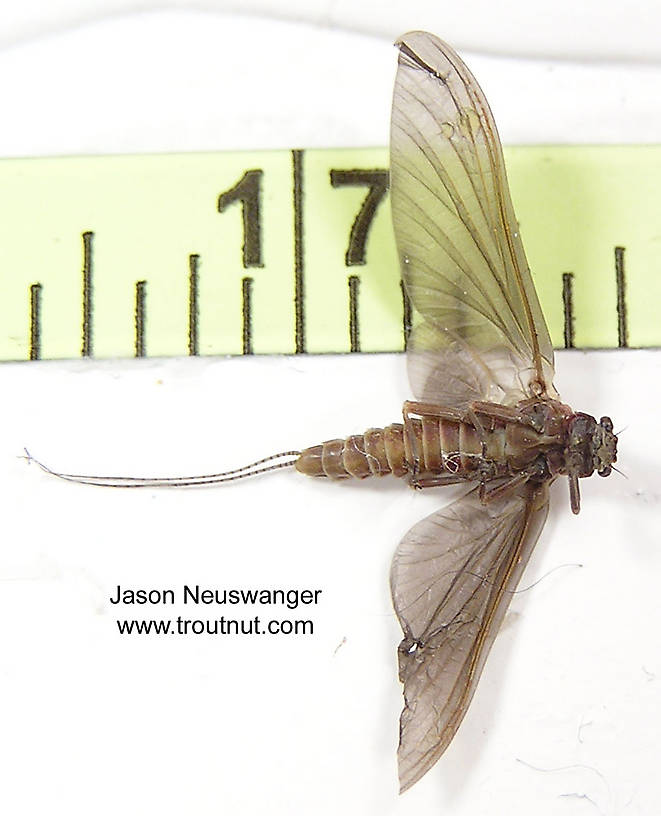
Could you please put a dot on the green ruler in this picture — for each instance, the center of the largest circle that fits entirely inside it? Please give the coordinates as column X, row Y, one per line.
column 293, row 252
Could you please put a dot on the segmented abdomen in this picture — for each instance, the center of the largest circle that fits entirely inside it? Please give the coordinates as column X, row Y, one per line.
column 441, row 447
column 377, row 452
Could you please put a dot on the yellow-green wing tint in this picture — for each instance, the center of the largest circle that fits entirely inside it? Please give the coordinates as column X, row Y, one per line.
column 461, row 254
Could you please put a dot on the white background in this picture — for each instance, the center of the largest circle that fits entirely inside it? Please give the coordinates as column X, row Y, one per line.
column 568, row 713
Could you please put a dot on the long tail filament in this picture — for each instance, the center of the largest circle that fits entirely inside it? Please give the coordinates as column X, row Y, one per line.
column 253, row 469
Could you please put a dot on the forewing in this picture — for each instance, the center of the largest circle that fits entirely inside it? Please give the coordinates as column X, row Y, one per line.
column 461, row 254
column 452, row 579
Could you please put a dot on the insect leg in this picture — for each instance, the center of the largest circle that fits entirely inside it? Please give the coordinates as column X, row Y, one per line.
column 537, row 470
column 434, row 480
column 503, row 413
column 502, row 488
column 428, row 409
column 475, row 422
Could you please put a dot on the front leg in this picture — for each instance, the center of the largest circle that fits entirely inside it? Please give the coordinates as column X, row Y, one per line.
column 429, row 410
column 494, row 411
column 478, row 414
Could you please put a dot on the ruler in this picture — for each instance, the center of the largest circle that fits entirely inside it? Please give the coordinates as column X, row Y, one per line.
column 282, row 252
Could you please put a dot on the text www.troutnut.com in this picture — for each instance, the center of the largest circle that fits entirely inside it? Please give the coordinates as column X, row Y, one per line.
column 223, row 625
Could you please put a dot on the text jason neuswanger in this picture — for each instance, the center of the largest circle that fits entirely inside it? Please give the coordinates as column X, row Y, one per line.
column 291, row 598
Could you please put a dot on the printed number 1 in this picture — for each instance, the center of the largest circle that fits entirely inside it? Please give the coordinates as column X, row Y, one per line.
column 248, row 190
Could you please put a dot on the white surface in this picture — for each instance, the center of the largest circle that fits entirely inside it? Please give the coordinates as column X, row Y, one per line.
column 568, row 711
column 593, row 29
column 175, row 81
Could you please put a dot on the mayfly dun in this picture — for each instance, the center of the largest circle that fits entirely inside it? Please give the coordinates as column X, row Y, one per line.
column 486, row 412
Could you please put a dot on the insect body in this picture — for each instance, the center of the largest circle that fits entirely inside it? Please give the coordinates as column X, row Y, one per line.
column 536, row 440
column 481, row 367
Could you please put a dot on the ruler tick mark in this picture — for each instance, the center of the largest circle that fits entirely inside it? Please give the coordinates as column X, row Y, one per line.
column 35, row 321
column 193, row 305
column 354, row 330
column 299, row 284
column 87, row 348
column 246, row 310
column 140, row 296
column 568, row 308
column 622, row 328
column 406, row 314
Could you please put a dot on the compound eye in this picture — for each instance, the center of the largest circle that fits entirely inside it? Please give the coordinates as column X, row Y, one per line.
column 605, row 471
column 607, row 424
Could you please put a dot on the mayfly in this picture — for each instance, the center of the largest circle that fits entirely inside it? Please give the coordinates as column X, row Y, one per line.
column 481, row 367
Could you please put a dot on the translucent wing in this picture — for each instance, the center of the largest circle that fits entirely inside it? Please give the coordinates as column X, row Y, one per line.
column 451, row 580
column 461, row 255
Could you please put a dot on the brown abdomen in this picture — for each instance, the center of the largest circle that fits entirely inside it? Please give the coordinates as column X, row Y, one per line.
column 443, row 447
column 377, row 452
